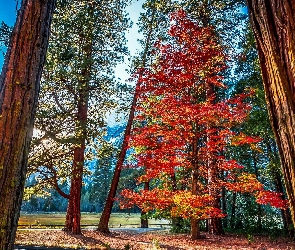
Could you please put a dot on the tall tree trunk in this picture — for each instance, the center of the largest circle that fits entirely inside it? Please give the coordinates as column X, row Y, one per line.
column 259, row 217
column 277, row 179
column 73, row 216
column 195, row 229
column 73, row 212
column 19, row 90
column 144, row 223
column 103, row 225
column 287, row 221
column 274, row 28
column 106, row 213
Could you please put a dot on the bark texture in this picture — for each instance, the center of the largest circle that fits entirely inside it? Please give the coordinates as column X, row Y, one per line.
column 106, row 213
column 274, row 28
column 103, row 225
column 73, row 217
column 19, row 90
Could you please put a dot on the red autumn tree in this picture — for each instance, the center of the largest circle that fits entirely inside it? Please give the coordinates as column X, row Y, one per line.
column 182, row 130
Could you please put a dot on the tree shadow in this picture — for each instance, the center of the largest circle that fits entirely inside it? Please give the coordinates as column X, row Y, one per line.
column 126, row 236
column 170, row 247
column 87, row 239
column 23, row 247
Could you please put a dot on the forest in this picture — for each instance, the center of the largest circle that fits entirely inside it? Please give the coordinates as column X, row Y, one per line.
column 201, row 135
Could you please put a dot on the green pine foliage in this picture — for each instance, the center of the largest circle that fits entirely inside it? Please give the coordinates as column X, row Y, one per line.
column 87, row 42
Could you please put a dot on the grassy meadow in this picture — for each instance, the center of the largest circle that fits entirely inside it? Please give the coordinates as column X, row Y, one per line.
column 42, row 220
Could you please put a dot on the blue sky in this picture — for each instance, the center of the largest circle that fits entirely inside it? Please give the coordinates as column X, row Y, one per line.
column 8, row 15
column 132, row 35
column 8, row 11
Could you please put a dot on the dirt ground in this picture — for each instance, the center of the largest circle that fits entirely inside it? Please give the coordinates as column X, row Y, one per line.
column 146, row 240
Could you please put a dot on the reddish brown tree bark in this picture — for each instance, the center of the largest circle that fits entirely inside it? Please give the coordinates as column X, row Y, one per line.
column 73, row 216
column 274, row 28
column 103, row 225
column 19, row 90
column 106, row 213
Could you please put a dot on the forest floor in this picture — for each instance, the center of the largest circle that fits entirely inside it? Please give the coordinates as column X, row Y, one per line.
column 145, row 240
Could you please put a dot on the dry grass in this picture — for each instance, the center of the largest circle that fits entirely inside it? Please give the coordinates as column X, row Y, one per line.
column 53, row 219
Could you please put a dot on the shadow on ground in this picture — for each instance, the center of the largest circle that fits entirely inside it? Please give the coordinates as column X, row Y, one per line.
column 19, row 247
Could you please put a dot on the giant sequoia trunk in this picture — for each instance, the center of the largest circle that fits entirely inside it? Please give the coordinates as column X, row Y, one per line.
column 274, row 28
column 19, row 90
